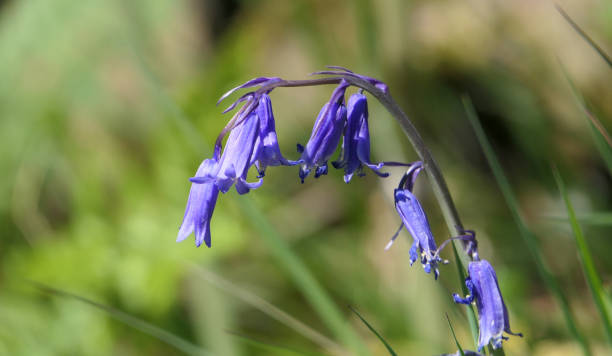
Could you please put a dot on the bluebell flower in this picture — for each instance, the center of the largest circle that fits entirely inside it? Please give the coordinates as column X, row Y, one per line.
column 234, row 164
column 267, row 152
column 415, row 221
column 492, row 312
column 252, row 141
column 356, row 141
column 200, row 206
column 236, row 159
column 325, row 136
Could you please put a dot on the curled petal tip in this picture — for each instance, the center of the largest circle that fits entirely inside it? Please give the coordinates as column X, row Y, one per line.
column 389, row 244
column 181, row 237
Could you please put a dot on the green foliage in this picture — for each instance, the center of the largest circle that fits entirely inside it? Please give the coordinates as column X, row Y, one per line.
column 389, row 348
column 588, row 266
column 132, row 321
column 528, row 237
column 450, row 326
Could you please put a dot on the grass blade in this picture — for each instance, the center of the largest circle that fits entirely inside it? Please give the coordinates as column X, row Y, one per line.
column 389, row 348
column 275, row 349
column 454, row 336
column 269, row 309
column 602, row 139
column 530, row 239
column 602, row 218
column 304, row 280
column 136, row 323
column 588, row 266
column 584, row 35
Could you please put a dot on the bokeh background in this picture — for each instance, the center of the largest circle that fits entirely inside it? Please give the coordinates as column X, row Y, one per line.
column 108, row 107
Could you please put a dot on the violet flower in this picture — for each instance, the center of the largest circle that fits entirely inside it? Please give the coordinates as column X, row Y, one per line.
column 200, row 206
column 267, row 152
column 235, row 161
column 325, row 135
column 415, row 221
column 356, row 142
column 252, row 141
column 492, row 312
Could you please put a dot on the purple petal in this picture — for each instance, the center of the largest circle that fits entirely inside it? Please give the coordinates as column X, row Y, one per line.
column 492, row 311
column 200, row 206
column 236, row 158
column 326, row 134
column 267, row 151
column 243, row 187
column 356, row 140
column 241, row 99
column 415, row 221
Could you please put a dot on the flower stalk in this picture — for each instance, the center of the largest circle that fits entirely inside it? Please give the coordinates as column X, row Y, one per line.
column 253, row 141
column 382, row 94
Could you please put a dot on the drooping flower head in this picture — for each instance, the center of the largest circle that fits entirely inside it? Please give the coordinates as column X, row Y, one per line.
column 200, row 206
column 267, row 152
column 492, row 312
column 251, row 141
column 415, row 221
column 325, row 135
column 356, row 141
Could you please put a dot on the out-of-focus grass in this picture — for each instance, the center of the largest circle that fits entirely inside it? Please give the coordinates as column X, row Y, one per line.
column 371, row 328
column 528, row 237
column 600, row 51
column 601, row 137
column 588, row 266
column 275, row 349
column 96, row 163
column 450, row 326
column 134, row 322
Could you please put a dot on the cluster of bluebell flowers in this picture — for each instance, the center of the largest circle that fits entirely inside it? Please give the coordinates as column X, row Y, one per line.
column 481, row 282
column 252, row 141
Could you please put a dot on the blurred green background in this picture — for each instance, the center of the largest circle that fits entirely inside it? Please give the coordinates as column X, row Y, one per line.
column 108, row 107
